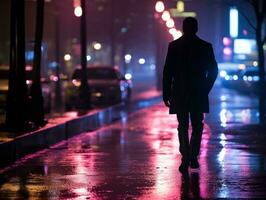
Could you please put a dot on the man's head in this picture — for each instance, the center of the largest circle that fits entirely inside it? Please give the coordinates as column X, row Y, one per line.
column 190, row 26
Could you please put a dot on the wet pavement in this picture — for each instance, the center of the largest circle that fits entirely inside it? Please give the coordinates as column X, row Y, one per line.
column 55, row 118
column 137, row 158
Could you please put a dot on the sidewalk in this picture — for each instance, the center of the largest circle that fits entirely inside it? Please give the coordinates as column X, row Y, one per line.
column 137, row 157
column 16, row 145
column 253, row 137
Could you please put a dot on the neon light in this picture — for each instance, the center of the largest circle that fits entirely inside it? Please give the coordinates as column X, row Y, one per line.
column 233, row 22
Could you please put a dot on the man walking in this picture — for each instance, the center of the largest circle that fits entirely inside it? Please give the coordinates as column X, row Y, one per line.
column 189, row 74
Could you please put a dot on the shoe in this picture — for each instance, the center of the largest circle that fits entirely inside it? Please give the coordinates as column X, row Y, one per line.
column 194, row 164
column 183, row 167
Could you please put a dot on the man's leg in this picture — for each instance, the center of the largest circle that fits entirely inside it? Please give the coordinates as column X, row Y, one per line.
column 197, row 128
column 183, row 124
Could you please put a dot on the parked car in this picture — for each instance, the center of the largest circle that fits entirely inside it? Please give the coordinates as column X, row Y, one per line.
column 46, row 91
column 106, row 85
column 231, row 78
column 250, row 77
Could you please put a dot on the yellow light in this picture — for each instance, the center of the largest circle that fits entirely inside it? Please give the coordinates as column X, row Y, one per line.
column 75, row 82
column 170, row 23
column 180, row 6
column 97, row 46
column 159, row 6
column 242, row 66
column 67, row 57
column 166, row 15
column 78, row 11
column 98, row 94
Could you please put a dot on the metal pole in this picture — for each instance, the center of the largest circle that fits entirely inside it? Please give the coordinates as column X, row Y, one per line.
column 112, row 33
column 84, row 88
column 58, row 91
column 17, row 102
column 37, row 110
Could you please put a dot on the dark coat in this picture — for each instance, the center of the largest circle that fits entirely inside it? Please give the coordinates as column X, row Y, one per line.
column 189, row 74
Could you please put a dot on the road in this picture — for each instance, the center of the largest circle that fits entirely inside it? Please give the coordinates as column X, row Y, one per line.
column 137, row 157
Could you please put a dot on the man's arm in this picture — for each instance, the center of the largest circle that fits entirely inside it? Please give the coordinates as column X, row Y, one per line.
column 212, row 69
column 167, row 76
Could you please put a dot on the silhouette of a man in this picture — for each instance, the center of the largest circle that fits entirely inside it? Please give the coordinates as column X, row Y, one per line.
column 189, row 73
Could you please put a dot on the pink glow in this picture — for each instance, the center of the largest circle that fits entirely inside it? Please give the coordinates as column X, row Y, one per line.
column 227, row 41
column 227, row 51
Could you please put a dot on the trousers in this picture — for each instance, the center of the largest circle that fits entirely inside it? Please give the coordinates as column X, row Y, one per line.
column 189, row 149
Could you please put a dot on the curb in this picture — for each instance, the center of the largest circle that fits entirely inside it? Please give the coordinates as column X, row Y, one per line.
column 46, row 137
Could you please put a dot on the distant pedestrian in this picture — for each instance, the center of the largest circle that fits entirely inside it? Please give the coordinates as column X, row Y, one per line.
column 189, row 73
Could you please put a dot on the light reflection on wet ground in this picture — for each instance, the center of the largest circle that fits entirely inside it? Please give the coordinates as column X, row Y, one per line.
column 138, row 158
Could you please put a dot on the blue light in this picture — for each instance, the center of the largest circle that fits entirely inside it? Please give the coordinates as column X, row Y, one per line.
column 223, row 73
column 227, row 77
column 256, row 78
column 235, row 77
column 52, row 64
column 29, row 55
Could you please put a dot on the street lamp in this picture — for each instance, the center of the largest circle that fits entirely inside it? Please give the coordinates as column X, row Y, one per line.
column 170, row 23
column 67, row 57
column 84, row 90
column 77, row 8
column 175, row 33
column 128, row 58
column 159, row 6
column 97, row 46
column 166, row 15
column 78, row 11
column 142, row 61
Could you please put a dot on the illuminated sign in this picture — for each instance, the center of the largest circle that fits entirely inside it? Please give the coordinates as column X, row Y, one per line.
column 175, row 13
column 233, row 22
column 244, row 46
